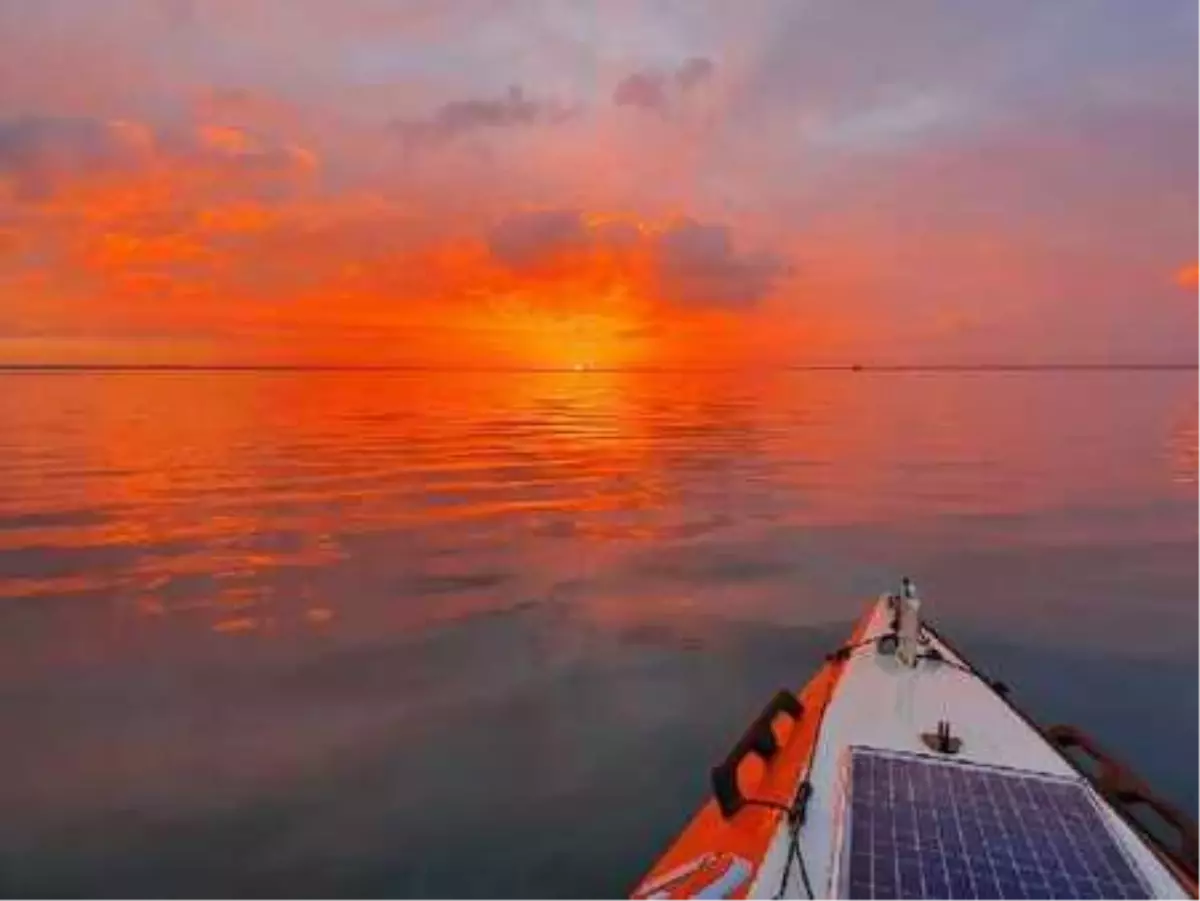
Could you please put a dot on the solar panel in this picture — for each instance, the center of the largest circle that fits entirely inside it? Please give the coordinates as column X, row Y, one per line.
column 923, row 827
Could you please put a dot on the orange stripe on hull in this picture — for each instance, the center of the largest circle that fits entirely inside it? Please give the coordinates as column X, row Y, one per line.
column 711, row 847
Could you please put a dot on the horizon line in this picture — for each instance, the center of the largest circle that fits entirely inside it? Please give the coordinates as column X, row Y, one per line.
column 403, row 367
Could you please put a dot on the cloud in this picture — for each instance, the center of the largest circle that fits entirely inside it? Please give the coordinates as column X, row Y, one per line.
column 685, row 262
column 130, row 212
column 258, row 110
column 948, row 169
column 462, row 117
column 657, row 91
column 9, row 242
column 39, row 154
column 647, row 90
column 36, row 152
column 693, row 72
column 529, row 239
column 697, row 264
column 225, row 144
column 524, row 239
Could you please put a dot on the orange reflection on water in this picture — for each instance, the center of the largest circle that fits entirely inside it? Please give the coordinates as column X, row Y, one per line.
column 288, row 503
column 1182, row 446
column 137, row 475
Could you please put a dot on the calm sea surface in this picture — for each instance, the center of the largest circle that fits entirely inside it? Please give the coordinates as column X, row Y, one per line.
column 329, row 633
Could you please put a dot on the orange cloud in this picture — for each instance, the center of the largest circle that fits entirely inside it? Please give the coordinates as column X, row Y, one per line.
column 1188, row 277
column 237, row 217
column 225, row 139
column 116, row 251
column 41, row 156
column 9, row 242
column 227, row 237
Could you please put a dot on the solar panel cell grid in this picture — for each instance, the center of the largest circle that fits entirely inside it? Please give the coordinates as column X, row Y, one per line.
column 920, row 827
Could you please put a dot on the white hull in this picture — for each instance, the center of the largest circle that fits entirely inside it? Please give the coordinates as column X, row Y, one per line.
column 744, row 844
column 882, row 704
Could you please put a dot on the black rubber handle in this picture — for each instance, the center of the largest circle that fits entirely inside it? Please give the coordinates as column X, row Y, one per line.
column 759, row 739
column 1122, row 788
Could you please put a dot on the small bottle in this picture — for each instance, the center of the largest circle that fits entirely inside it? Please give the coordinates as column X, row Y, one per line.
column 909, row 628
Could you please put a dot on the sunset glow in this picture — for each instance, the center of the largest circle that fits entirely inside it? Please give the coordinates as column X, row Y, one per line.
column 1188, row 276
column 441, row 184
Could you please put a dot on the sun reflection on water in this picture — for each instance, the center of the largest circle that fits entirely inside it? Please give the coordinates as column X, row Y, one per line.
column 284, row 503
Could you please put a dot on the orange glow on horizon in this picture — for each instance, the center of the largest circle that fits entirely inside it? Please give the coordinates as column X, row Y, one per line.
column 202, row 275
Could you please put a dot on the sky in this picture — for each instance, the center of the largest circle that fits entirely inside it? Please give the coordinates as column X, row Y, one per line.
column 609, row 183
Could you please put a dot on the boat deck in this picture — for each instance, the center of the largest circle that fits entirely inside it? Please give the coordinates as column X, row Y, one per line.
column 882, row 704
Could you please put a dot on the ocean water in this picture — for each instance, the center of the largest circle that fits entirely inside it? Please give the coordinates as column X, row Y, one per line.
column 396, row 633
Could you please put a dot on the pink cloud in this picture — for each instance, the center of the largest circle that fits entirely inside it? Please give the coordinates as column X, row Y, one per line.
column 684, row 262
column 37, row 152
column 658, row 91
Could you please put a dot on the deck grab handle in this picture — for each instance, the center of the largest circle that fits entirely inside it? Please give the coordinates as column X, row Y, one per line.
column 759, row 739
column 1124, row 790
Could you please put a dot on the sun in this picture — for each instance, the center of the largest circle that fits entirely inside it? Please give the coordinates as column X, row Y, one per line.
column 571, row 341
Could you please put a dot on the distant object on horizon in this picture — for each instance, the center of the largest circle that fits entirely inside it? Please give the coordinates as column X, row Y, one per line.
column 857, row 367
